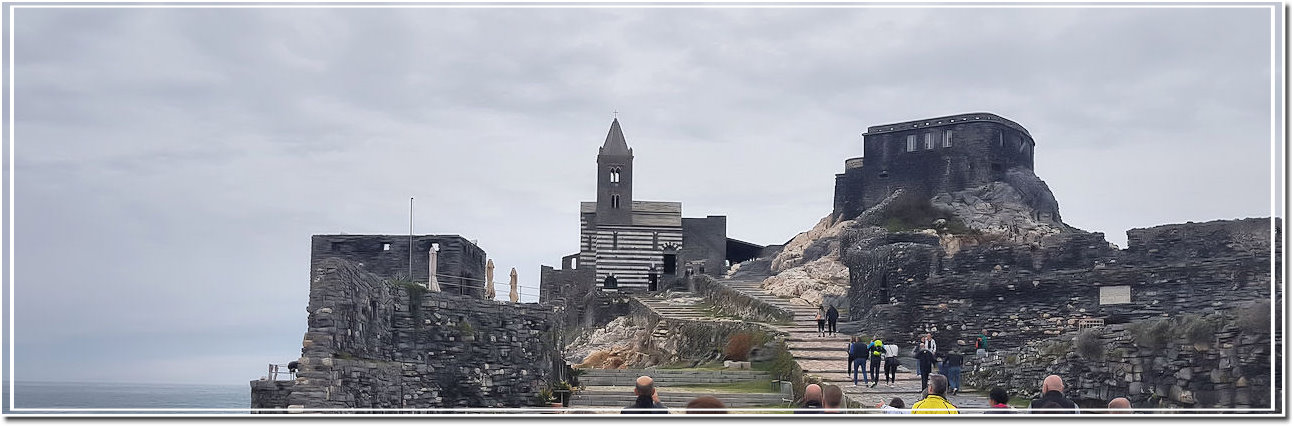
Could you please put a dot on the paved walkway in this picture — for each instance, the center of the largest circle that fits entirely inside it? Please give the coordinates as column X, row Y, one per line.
column 826, row 356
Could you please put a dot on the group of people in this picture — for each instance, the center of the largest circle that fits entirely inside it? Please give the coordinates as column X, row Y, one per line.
column 831, row 398
column 1052, row 401
column 872, row 353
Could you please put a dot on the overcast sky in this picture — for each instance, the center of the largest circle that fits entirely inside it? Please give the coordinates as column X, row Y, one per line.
column 170, row 165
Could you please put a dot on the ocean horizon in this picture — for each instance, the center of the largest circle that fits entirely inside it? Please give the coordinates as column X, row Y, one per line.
column 73, row 398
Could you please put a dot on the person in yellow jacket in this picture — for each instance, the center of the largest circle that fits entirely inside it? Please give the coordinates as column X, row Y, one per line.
column 934, row 403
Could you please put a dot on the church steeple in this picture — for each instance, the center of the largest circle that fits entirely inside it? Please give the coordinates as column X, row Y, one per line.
column 615, row 144
column 615, row 179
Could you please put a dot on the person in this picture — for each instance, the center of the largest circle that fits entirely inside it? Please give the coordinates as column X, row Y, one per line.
column 934, row 402
column 981, row 344
column 997, row 399
column 891, row 363
column 822, row 322
column 1119, row 405
column 954, row 360
column 925, row 360
column 706, row 405
column 928, row 343
column 894, row 407
column 875, row 352
column 1053, row 390
column 647, row 402
column 832, row 316
column 857, row 359
column 832, row 399
column 812, row 400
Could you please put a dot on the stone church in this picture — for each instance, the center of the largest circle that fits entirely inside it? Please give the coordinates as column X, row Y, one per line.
column 627, row 244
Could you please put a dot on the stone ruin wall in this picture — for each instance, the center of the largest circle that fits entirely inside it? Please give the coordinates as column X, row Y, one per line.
column 1022, row 293
column 371, row 345
column 1229, row 369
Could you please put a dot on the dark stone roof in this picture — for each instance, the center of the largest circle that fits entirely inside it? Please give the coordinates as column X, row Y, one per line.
column 615, row 144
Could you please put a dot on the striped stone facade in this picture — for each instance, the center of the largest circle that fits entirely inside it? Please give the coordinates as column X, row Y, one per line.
column 629, row 251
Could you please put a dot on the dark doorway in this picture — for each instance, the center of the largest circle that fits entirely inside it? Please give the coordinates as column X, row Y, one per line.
column 669, row 260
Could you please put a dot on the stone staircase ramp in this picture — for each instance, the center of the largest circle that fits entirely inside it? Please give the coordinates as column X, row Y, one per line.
column 622, row 396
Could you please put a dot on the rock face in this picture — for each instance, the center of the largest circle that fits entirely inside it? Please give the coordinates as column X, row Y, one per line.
column 371, row 344
column 609, row 346
column 808, row 270
column 1020, row 209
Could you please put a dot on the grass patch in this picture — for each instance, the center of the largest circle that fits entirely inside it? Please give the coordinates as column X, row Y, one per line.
column 1019, row 402
column 753, row 386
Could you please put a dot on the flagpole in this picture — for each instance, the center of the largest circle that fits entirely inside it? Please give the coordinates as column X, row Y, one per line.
column 411, row 241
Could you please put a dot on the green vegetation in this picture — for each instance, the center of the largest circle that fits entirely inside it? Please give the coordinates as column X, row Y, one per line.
column 415, row 290
column 1151, row 334
column 1201, row 330
column 1088, row 344
column 1255, row 318
column 910, row 213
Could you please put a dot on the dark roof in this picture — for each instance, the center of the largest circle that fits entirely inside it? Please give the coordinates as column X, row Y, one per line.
column 615, row 144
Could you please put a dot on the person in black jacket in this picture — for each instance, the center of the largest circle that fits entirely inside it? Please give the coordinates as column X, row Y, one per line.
column 954, row 361
column 832, row 316
column 647, row 402
column 925, row 361
column 812, row 400
column 1053, row 392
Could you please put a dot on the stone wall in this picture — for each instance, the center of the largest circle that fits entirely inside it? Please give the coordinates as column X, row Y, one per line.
column 705, row 244
column 371, row 344
column 677, row 340
column 1023, row 292
column 460, row 263
column 738, row 303
column 1184, row 362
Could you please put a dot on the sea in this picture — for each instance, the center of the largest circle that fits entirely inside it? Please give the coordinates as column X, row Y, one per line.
column 135, row 399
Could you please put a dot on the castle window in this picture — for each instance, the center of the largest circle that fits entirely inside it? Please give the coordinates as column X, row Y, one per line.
column 615, row 175
column 912, row 143
column 930, row 140
column 386, row 246
column 615, row 201
column 948, row 138
column 615, row 240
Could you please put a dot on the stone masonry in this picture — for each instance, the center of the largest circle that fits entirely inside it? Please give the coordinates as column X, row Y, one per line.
column 372, row 344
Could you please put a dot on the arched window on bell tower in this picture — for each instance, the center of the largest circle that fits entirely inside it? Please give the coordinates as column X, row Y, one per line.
column 615, row 175
column 615, row 201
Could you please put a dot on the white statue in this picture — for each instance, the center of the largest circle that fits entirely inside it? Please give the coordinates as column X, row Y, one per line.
column 432, row 284
column 489, row 279
column 512, row 295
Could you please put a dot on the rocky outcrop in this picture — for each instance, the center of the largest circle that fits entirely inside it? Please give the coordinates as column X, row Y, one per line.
column 614, row 345
column 808, row 270
column 1020, row 209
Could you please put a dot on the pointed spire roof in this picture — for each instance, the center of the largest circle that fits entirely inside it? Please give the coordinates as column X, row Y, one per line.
column 615, row 144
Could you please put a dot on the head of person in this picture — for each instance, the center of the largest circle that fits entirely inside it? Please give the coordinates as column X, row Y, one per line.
column 1120, row 404
column 706, row 405
column 853, row 339
column 644, row 387
column 998, row 396
column 896, row 402
column 1052, row 383
column 938, row 384
column 832, row 396
column 813, row 392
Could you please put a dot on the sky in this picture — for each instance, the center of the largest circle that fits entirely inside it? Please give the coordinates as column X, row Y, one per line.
column 169, row 165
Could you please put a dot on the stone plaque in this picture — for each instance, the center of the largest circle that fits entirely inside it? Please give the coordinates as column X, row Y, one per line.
column 1116, row 294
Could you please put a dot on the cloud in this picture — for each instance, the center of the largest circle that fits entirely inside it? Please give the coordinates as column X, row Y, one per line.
column 171, row 164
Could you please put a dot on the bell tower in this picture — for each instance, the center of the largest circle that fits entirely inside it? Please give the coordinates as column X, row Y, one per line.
column 615, row 179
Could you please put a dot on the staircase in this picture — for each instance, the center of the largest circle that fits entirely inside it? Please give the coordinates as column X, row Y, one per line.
column 610, row 389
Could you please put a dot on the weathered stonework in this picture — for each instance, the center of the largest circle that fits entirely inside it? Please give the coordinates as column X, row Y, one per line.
column 737, row 303
column 371, row 344
column 1229, row 367
column 907, row 285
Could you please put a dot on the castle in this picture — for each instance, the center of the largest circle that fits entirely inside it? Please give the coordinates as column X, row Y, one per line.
column 943, row 154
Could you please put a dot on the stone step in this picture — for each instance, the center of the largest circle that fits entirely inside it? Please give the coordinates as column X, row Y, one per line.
column 622, row 396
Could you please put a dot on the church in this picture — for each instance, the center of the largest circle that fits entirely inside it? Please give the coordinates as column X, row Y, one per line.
column 635, row 245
